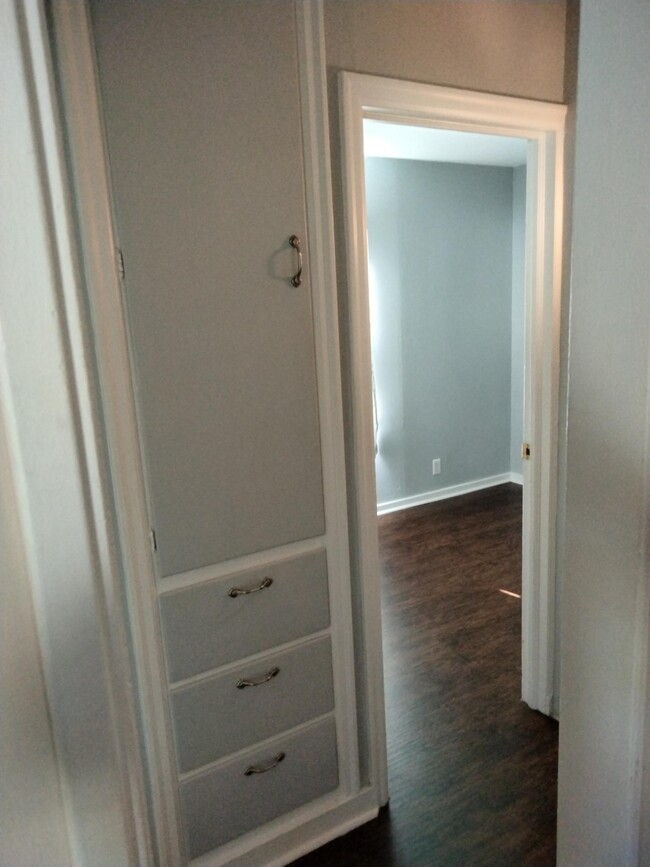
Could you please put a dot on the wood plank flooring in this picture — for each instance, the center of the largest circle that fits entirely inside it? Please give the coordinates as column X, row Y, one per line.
column 472, row 770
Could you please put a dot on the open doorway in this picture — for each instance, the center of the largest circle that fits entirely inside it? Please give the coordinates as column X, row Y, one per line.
column 541, row 127
column 445, row 214
column 446, row 246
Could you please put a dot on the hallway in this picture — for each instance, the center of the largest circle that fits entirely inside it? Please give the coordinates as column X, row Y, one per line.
column 472, row 771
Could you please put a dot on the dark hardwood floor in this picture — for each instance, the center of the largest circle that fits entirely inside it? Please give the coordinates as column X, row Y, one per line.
column 472, row 770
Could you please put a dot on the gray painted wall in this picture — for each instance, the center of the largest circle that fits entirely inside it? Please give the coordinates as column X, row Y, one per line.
column 441, row 272
column 604, row 604
column 505, row 47
column 518, row 308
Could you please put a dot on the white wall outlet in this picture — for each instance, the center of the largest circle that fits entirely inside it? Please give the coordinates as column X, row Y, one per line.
column 436, row 467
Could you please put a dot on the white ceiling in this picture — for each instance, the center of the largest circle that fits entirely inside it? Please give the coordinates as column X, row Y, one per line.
column 441, row 145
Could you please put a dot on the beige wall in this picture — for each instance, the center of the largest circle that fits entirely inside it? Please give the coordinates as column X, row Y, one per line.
column 514, row 48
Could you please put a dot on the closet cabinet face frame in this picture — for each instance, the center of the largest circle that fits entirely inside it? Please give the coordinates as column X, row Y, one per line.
column 73, row 50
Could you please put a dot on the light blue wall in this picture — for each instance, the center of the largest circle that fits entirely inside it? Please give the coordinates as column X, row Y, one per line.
column 517, row 334
column 440, row 246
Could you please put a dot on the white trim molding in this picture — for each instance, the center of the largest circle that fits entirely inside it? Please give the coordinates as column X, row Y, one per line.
column 310, row 43
column 448, row 492
column 93, row 200
column 49, row 395
column 542, row 125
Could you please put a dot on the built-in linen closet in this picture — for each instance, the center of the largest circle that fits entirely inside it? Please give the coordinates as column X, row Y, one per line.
column 202, row 111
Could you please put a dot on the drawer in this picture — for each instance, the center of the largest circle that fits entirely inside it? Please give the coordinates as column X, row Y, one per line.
column 204, row 627
column 224, row 803
column 215, row 717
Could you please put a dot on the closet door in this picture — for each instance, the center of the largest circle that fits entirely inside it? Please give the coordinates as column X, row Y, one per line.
column 202, row 116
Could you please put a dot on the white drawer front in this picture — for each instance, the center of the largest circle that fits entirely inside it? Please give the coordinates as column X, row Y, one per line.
column 225, row 803
column 204, row 627
column 215, row 717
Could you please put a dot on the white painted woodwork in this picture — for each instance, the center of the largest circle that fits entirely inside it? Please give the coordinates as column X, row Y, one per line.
column 62, row 495
column 308, row 770
column 204, row 627
column 445, row 493
column 33, row 821
column 259, row 560
column 301, row 690
column 81, row 107
column 222, row 342
column 542, row 125
column 603, row 718
column 348, row 804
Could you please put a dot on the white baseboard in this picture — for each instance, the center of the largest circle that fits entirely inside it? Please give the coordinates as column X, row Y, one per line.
column 447, row 493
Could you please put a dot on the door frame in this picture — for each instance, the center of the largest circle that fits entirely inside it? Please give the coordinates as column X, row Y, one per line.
column 542, row 124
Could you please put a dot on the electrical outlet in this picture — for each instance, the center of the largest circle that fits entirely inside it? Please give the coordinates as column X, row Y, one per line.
column 436, row 467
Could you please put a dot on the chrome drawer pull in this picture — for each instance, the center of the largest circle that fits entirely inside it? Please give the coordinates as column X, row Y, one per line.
column 237, row 591
column 262, row 769
column 274, row 672
column 296, row 280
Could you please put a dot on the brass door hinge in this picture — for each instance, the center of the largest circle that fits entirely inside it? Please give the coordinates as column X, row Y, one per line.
column 525, row 451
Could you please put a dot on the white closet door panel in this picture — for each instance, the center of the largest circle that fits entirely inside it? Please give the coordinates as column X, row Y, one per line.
column 218, row 716
column 202, row 118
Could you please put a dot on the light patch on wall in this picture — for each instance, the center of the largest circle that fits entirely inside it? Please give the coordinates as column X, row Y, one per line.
column 400, row 141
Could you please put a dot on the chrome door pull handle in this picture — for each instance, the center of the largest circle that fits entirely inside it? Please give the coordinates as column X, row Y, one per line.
column 238, row 591
column 262, row 769
column 296, row 280
column 242, row 684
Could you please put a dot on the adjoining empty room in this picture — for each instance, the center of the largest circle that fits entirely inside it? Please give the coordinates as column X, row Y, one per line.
column 446, row 232
column 472, row 769
column 446, row 246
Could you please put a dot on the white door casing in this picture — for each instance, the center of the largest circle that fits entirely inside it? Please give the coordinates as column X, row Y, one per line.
column 542, row 125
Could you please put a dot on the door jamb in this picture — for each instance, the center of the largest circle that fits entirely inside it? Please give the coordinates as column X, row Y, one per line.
column 542, row 124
